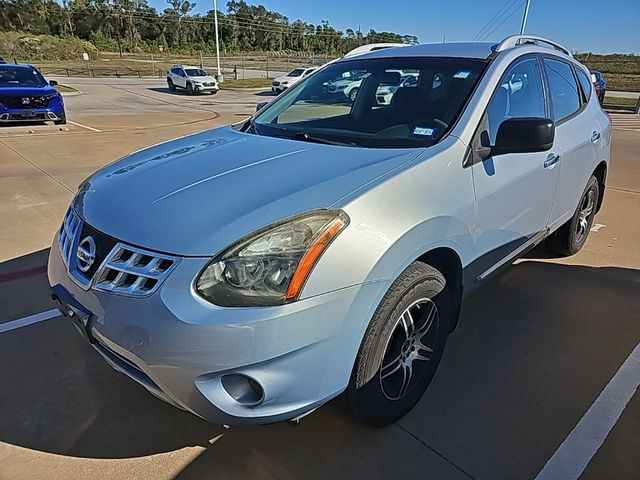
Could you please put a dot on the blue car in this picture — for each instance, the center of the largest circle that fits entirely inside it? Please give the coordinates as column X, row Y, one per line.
column 25, row 96
column 599, row 83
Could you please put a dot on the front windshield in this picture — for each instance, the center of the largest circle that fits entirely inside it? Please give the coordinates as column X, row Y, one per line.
column 295, row 73
column 383, row 103
column 11, row 76
column 195, row 72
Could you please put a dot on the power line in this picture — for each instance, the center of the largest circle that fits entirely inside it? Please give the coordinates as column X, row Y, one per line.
column 493, row 19
column 286, row 30
column 507, row 18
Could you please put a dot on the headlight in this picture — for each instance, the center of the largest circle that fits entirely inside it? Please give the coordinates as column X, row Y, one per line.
column 285, row 83
column 270, row 266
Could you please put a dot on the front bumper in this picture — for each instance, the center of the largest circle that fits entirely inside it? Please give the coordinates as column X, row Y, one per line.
column 180, row 347
column 30, row 115
column 205, row 88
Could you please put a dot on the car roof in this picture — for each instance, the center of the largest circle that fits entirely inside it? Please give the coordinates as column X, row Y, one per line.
column 18, row 65
column 479, row 50
column 177, row 65
column 453, row 49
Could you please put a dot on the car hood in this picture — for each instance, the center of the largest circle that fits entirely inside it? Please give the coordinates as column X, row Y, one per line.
column 195, row 195
column 347, row 82
column 286, row 79
column 207, row 79
column 27, row 91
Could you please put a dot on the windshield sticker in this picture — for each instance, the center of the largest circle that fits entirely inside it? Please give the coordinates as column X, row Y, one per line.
column 424, row 131
column 462, row 74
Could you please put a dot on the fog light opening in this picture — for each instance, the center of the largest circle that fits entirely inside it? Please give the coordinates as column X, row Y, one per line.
column 244, row 390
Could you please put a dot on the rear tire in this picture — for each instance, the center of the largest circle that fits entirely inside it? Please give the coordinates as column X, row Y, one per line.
column 402, row 347
column 571, row 237
column 172, row 87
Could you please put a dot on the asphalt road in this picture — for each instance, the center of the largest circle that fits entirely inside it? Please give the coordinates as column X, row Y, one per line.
column 534, row 350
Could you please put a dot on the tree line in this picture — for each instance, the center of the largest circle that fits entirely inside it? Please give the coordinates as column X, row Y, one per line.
column 135, row 26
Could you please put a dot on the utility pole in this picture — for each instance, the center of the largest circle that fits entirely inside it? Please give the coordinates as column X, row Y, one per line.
column 524, row 18
column 215, row 21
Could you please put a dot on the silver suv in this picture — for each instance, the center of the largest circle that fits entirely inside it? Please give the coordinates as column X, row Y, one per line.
column 323, row 247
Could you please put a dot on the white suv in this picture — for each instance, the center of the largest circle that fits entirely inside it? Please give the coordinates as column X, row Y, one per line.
column 192, row 79
column 280, row 84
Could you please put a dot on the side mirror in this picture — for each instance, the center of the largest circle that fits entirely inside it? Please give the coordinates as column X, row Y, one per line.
column 261, row 105
column 53, row 83
column 524, row 135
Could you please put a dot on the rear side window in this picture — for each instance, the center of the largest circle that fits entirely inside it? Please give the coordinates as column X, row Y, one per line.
column 585, row 83
column 520, row 94
column 563, row 89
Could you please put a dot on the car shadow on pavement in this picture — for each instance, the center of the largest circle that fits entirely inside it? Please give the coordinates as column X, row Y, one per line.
column 178, row 92
column 537, row 328
column 266, row 93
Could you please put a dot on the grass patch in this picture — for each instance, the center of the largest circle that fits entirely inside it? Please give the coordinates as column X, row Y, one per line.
column 247, row 83
column 65, row 89
column 630, row 102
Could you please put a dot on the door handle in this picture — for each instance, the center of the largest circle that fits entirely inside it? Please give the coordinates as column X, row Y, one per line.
column 595, row 136
column 552, row 159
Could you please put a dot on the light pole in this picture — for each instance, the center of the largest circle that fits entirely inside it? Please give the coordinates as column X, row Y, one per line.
column 219, row 76
column 524, row 18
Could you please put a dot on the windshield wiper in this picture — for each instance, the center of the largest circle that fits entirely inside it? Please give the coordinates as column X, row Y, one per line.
column 305, row 137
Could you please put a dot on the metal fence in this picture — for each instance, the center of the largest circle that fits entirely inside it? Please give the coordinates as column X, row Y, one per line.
column 141, row 65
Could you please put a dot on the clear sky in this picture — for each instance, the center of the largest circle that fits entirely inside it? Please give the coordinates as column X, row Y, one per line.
column 599, row 26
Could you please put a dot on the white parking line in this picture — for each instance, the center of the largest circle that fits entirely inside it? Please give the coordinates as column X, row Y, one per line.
column 575, row 453
column 30, row 320
column 84, row 126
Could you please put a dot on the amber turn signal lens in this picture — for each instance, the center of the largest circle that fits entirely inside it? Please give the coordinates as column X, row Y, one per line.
column 312, row 255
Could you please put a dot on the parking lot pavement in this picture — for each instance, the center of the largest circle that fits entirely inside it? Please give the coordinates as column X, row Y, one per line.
column 40, row 171
column 534, row 349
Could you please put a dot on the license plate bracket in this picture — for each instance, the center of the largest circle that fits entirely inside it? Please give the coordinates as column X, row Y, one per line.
column 72, row 309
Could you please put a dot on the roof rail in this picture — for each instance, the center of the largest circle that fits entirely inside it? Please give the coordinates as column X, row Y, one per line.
column 515, row 40
column 372, row 47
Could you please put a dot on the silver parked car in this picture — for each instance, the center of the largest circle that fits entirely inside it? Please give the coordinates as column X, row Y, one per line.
column 251, row 273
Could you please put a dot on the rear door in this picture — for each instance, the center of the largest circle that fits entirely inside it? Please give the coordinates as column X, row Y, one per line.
column 578, row 134
column 514, row 192
column 181, row 78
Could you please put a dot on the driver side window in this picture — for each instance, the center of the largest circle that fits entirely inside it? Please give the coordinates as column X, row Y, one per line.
column 520, row 94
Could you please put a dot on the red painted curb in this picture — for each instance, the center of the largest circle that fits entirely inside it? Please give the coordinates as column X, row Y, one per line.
column 18, row 274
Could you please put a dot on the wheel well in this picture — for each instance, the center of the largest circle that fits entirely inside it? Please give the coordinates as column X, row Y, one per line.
column 447, row 262
column 601, row 175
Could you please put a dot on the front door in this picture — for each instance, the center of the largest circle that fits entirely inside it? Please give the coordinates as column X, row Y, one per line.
column 514, row 192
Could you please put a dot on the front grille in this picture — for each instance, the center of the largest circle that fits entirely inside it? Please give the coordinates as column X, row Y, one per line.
column 25, row 102
column 68, row 233
column 132, row 271
column 116, row 267
column 209, row 84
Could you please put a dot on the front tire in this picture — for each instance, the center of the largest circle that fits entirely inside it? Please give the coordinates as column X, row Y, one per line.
column 62, row 120
column 402, row 347
column 189, row 89
column 571, row 237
